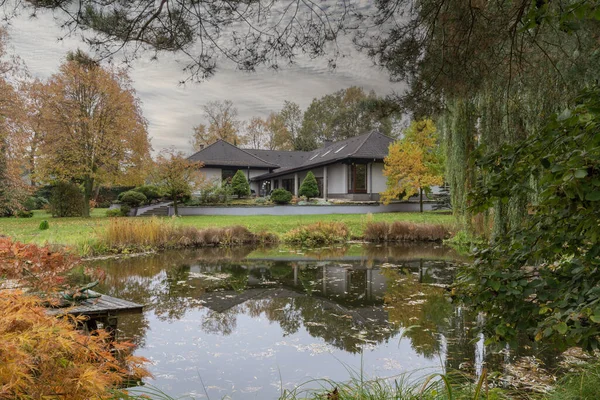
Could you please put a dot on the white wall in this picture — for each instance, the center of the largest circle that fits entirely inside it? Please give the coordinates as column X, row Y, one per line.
column 337, row 179
column 211, row 173
column 378, row 180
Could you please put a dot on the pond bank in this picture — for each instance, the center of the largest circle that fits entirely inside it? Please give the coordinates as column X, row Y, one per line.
column 80, row 234
column 127, row 235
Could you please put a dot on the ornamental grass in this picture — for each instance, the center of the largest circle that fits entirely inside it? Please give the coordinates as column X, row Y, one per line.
column 399, row 231
column 127, row 234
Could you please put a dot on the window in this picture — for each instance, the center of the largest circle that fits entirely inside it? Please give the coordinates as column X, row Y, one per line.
column 276, row 184
column 340, row 149
column 357, row 178
column 288, row 184
column 227, row 175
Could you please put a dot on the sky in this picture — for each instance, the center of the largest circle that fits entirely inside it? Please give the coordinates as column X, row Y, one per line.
column 172, row 109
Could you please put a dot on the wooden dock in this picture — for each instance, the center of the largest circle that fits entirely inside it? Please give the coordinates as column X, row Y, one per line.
column 104, row 309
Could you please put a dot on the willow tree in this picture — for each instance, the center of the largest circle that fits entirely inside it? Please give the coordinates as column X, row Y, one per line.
column 490, row 73
column 94, row 129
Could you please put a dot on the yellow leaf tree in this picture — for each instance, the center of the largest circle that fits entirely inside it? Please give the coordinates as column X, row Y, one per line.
column 94, row 129
column 414, row 163
column 177, row 176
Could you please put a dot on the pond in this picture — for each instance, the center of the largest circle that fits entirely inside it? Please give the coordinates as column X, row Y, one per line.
column 248, row 323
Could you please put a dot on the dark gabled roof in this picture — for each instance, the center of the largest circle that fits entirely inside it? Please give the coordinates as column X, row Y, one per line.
column 282, row 158
column 372, row 145
column 222, row 154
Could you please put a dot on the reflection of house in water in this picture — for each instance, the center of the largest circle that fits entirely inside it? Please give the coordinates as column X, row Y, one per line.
column 334, row 300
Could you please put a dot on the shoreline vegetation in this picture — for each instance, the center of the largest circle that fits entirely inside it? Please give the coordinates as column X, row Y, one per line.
column 101, row 235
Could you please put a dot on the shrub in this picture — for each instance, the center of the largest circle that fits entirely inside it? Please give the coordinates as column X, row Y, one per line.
column 261, row 200
column 281, row 196
column 67, row 200
column 114, row 212
column 151, row 192
column 309, row 186
column 35, row 203
column 321, row 233
column 125, row 210
column 212, row 192
column 24, row 214
column 133, row 198
column 44, row 225
column 240, row 185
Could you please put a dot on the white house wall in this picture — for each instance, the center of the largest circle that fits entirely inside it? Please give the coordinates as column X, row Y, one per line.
column 336, row 178
column 212, row 174
column 378, row 180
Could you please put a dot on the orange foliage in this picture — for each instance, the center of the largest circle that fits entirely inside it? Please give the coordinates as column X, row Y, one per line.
column 37, row 268
column 46, row 357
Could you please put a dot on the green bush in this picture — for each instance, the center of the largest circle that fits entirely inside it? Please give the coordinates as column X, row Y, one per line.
column 24, row 214
column 125, row 209
column 212, row 193
column 240, row 185
column 133, row 198
column 113, row 212
column 281, row 196
column 66, row 200
column 321, row 233
column 309, row 186
column 151, row 192
column 35, row 203
column 44, row 225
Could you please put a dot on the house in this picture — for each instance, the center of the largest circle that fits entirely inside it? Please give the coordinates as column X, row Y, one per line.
column 349, row 169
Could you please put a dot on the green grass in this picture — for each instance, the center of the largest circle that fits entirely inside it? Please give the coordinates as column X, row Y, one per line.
column 81, row 232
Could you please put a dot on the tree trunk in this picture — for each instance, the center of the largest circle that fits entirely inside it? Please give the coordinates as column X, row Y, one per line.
column 175, row 206
column 421, row 199
column 88, row 188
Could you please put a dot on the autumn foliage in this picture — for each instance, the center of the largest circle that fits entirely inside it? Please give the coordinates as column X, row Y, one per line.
column 413, row 164
column 42, row 356
column 45, row 357
column 36, row 268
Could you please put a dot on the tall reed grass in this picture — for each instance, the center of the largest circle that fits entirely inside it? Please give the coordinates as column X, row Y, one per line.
column 399, row 231
column 127, row 234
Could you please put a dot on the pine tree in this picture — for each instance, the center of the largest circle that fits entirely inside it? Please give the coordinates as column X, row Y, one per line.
column 240, row 184
column 309, row 186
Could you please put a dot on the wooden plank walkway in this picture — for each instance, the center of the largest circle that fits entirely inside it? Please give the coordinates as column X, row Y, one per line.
column 101, row 306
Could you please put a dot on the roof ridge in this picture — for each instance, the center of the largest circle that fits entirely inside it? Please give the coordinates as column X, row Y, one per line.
column 251, row 155
column 206, row 147
column 367, row 136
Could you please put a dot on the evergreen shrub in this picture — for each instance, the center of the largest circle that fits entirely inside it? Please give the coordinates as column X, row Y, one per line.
column 67, row 200
column 281, row 196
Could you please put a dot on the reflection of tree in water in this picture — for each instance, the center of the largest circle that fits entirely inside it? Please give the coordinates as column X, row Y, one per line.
column 341, row 328
column 222, row 323
column 410, row 303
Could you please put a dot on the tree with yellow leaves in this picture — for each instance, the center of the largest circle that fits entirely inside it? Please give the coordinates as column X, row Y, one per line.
column 94, row 131
column 414, row 163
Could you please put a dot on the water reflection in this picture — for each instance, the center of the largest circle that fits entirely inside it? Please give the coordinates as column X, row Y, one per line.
column 249, row 322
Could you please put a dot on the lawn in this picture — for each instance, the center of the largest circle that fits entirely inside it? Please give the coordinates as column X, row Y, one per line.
column 77, row 232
